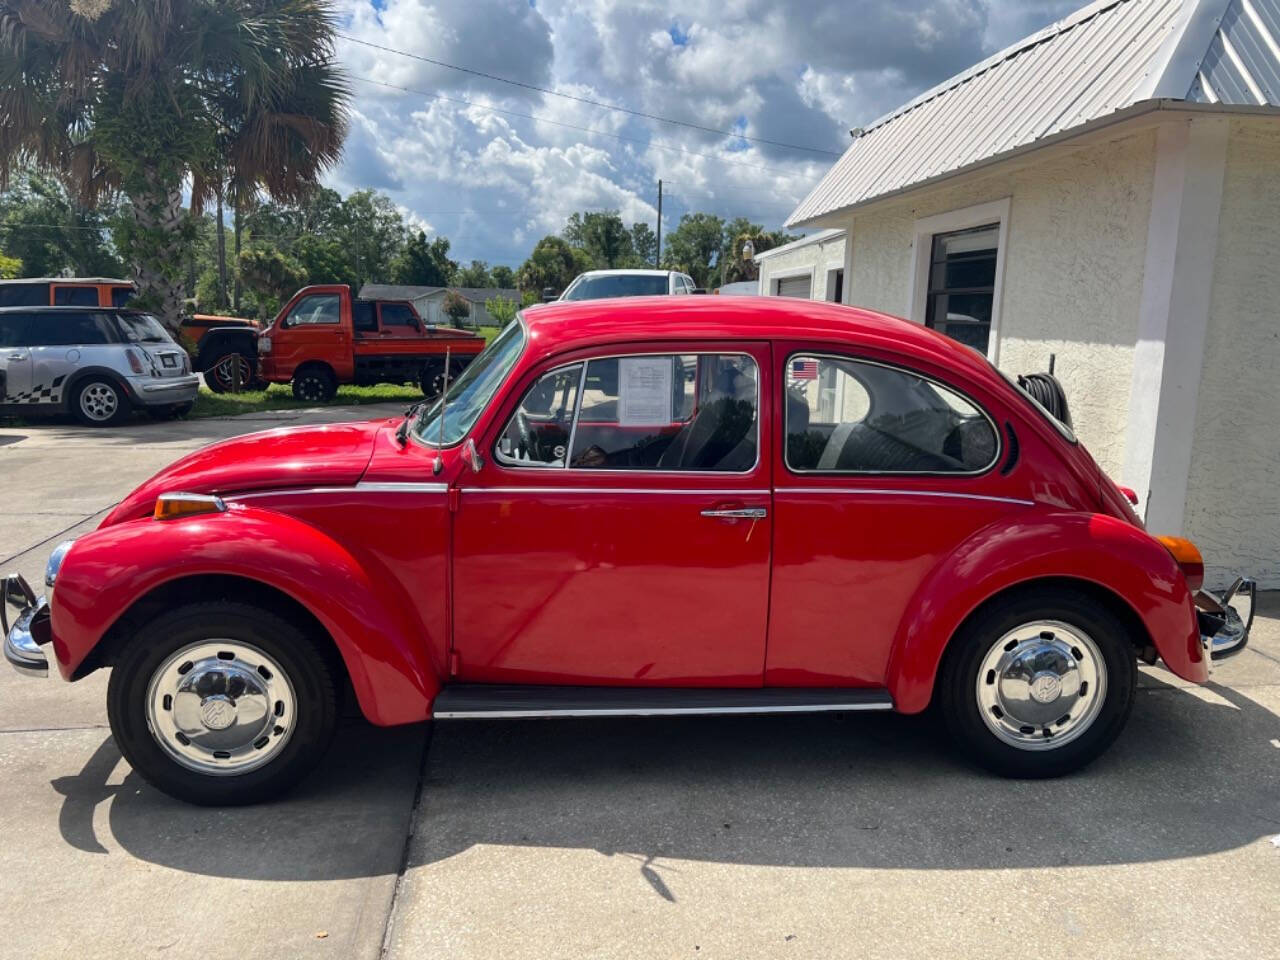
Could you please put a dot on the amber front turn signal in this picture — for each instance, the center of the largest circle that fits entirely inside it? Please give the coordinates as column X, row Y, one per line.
column 170, row 506
column 1188, row 557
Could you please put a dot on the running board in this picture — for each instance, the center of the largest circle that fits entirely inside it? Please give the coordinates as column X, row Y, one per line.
column 495, row 701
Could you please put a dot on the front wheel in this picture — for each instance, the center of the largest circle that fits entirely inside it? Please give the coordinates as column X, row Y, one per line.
column 1038, row 685
column 314, row 385
column 222, row 703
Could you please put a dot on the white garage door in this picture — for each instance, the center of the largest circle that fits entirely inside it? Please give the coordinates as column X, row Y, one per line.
column 795, row 287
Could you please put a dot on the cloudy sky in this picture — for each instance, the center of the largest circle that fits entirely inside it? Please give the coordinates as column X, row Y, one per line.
column 494, row 166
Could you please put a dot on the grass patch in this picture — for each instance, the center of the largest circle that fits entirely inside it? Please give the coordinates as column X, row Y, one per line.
column 280, row 397
column 488, row 332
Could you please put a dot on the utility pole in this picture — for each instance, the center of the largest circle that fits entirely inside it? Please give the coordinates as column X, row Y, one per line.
column 657, row 259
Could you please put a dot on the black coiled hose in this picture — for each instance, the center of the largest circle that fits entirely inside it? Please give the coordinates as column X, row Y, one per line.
column 1048, row 393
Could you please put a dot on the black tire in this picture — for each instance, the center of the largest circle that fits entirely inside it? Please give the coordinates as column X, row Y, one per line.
column 310, row 674
column 315, row 384
column 100, row 402
column 219, row 374
column 431, row 379
column 958, row 692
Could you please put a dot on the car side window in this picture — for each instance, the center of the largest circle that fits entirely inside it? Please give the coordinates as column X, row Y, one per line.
column 363, row 316
column 75, row 296
column 537, row 435
column 685, row 412
column 850, row 416
column 317, row 308
column 72, row 329
column 13, row 330
column 397, row 315
column 120, row 296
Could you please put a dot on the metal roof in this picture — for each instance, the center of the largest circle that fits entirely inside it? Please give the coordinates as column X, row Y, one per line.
column 1104, row 58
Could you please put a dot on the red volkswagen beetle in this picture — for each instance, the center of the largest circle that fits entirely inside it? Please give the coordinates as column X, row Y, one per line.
column 657, row 506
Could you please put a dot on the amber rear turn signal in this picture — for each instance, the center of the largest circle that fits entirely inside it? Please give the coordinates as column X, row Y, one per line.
column 1188, row 557
column 170, row 506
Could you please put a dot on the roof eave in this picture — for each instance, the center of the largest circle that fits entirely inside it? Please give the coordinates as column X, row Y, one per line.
column 836, row 217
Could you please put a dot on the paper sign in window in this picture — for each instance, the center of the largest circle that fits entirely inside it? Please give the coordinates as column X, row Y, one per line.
column 644, row 391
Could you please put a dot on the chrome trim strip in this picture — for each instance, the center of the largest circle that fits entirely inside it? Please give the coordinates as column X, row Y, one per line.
column 372, row 487
column 607, row 490
column 654, row 711
column 867, row 491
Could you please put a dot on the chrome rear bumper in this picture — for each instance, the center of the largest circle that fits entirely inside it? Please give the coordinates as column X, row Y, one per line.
column 1225, row 621
column 24, row 638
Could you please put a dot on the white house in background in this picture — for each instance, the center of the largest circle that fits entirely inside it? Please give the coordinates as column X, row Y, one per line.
column 811, row 267
column 429, row 301
column 1107, row 190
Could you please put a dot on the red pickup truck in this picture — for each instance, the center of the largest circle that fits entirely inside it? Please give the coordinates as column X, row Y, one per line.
column 323, row 337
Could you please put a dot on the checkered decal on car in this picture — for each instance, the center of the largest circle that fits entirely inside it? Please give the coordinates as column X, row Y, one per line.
column 41, row 393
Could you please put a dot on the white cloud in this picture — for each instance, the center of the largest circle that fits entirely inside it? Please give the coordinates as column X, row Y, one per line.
column 493, row 182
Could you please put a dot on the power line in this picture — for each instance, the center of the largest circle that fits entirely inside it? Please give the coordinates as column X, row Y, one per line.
column 571, row 126
column 587, row 100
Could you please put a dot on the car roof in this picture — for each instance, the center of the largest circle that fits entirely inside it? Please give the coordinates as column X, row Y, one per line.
column 629, row 273
column 40, row 308
column 568, row 325
column 69, row 280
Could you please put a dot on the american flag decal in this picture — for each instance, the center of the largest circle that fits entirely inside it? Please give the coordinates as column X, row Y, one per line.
column 804, row 369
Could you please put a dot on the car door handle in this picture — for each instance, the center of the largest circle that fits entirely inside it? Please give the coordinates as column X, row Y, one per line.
column 737, row 513
column 17, row 356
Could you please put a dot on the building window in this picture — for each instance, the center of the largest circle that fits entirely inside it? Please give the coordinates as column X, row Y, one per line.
column 962, row 283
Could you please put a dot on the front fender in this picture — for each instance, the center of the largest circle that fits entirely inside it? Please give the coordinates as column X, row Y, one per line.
column 111, row 569
column 1103, row 551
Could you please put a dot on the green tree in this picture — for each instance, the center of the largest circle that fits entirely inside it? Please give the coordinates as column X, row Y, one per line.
column 551, row 264
column 137, row 96
column 371, row 227
column 424, row 263
column 502, row 309
column 42, row 225
column 323, row 260
column 476, row 276
column 694, row 247
column 11, row 268
column 603, row 236
column 644, row 245
column 456, row 307
column 504, row 278
column 273, row 275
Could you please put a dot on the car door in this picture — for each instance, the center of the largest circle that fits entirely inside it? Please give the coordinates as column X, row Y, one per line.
column 884, row 470
column 619, row 532
column 15, row 359
column 314, row 329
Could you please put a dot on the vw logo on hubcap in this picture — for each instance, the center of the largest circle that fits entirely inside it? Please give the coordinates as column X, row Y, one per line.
column 217, row 712
column 1046, row 687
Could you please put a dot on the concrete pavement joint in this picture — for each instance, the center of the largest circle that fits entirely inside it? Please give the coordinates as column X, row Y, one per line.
column 71, row 729
column 89, row 516
column 414, row 813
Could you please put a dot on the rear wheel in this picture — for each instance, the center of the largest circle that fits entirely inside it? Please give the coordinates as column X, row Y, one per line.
column 431, row 379
column 222, row 703
column 1040, row 684
column 99, row 402
column 315, row 384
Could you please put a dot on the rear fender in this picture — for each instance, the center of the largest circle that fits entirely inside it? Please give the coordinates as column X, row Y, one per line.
column 113, row 568
column 1096, row 550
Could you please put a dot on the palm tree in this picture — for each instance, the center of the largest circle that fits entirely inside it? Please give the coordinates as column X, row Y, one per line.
column 139, row 97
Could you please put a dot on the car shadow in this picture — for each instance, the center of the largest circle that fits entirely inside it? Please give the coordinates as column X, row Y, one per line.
column 1193, row 774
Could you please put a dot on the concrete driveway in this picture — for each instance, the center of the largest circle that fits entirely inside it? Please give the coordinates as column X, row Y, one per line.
column 796, row 837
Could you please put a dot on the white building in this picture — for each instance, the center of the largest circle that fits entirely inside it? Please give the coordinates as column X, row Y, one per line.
column 1107, row 191
column 429, row 301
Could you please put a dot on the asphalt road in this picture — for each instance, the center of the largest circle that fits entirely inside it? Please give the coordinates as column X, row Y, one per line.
column 794, row 837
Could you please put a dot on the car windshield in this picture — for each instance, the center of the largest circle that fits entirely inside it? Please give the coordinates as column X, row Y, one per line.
column 141, row 328
column 616, row 285
column 472, row 391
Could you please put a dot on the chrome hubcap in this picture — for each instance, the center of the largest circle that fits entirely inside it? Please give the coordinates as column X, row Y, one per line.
column 221, row 707
column 99, row 401
column 1041, row 685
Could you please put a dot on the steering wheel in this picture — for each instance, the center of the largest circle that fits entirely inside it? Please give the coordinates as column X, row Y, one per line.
column 527, row 439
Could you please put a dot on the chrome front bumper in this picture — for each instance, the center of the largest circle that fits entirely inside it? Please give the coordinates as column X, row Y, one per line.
column 1225, row 621
column 24, row 638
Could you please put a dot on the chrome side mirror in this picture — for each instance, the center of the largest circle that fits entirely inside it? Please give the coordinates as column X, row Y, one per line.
column 472, row 456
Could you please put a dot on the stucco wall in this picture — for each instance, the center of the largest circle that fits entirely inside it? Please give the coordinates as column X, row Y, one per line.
column 1233, row 497
column 1077, row 236
column 818, row 256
